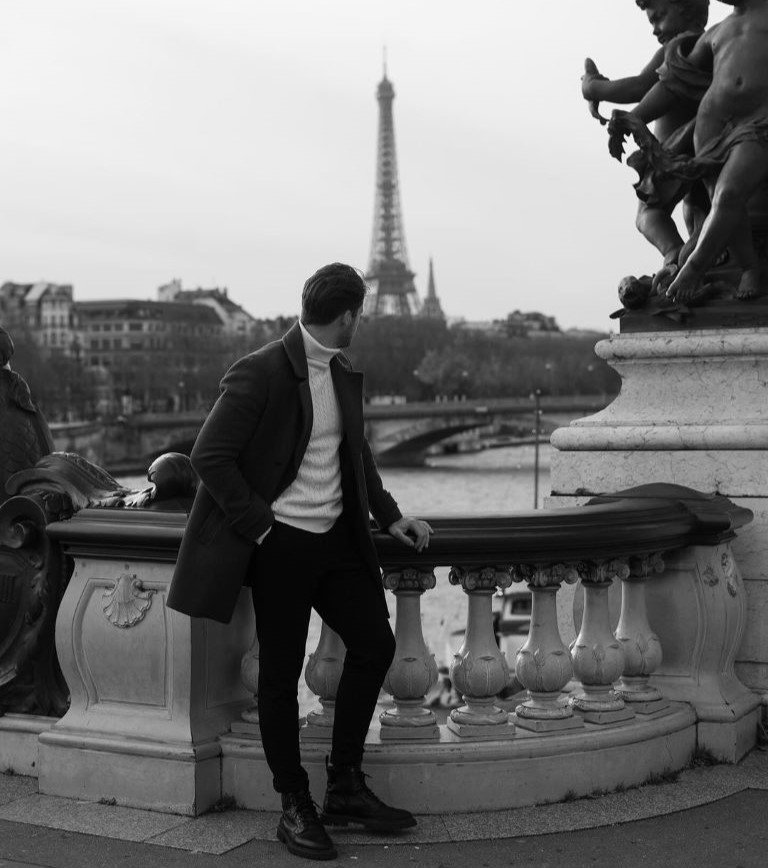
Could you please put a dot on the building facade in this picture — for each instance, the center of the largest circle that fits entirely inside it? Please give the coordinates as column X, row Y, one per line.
column 235, row 319
column 156, row 353
column 46, row 310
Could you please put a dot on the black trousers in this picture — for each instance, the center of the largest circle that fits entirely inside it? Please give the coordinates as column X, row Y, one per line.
column 296, row 571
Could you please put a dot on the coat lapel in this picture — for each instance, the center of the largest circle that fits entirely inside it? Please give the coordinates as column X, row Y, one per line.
column 349, row 391
column 294, row 348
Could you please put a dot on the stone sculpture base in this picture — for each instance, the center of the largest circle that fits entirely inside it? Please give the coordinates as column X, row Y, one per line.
column 692, row 411
column 456, row 775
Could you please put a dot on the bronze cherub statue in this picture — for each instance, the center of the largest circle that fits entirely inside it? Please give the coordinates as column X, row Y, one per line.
column 725, row 68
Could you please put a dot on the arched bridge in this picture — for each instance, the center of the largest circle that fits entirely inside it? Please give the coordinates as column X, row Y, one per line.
column 400, row 434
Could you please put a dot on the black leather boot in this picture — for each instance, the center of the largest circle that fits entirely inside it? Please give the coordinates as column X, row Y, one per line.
column 300, row 829
column 348, row 800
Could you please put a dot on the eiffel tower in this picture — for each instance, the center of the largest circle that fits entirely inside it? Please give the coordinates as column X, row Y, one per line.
column 389, row 274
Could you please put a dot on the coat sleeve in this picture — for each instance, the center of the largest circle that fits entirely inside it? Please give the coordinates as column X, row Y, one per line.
column 226, row 432
column 382, row 505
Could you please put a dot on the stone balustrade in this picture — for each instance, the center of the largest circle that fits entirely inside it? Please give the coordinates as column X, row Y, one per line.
column 163, row 711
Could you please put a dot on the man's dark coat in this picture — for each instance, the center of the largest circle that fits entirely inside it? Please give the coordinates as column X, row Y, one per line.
column 247, row 453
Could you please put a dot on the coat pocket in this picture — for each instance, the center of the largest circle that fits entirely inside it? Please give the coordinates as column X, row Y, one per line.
column 211, row 526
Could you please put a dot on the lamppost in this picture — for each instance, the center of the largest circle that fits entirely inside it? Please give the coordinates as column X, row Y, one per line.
column 536, row 433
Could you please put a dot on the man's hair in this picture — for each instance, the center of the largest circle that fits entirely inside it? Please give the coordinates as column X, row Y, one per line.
column 694, row 12
column 330, row 291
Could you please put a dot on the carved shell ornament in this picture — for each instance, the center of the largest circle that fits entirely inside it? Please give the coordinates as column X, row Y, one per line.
column 126, row 603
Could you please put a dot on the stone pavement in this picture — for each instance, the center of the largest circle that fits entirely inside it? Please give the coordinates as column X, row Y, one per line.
column 708, row 816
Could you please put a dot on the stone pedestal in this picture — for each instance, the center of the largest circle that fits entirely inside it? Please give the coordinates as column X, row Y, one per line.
column 151, row 689
column 693, row 411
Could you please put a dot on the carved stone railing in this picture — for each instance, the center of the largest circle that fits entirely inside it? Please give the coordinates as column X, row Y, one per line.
column 163, row 711
column 613, row 547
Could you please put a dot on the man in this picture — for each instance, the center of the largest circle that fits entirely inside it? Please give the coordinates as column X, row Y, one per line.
column 287, row 484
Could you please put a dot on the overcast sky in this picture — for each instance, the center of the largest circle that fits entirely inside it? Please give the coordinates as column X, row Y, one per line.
column 232, row 143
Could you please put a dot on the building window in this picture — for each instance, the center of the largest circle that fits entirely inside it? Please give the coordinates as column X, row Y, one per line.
column 134, row 326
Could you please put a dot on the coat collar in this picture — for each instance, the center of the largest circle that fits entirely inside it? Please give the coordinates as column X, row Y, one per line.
column 294, row 348
column 293, row 341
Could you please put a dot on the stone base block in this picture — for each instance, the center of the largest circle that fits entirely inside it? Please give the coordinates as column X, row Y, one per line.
column 556, row 724
column 410, row 733
column 453, row 775
column 618, row 715
column 511, row 702
column 480, row 732
column 655, row 706
column 729, row 742
column 19, row 735
column 313, row 732
column 242, row 727
column 173, row 780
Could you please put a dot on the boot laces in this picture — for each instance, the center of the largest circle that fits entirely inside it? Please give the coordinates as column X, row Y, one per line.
column 307, row 807
column 367, row 790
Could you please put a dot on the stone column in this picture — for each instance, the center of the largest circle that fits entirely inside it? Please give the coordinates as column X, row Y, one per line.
column 249, row 675
column 322, row 674
column 414, row 670
column 479, row 669
column 642, row 649
column 598, row 659
column 543, row 664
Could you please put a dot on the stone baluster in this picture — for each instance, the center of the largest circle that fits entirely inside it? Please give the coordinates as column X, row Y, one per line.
column 322, row 674
column 479, row 670
column 249, row 675
column 543, row 664
column 642, row 649
column 598, row 659
column 414, row 670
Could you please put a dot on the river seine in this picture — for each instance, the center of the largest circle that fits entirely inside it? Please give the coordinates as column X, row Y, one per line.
column 490, row 482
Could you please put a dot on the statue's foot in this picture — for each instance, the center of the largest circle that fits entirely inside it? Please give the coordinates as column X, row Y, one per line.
column 688, row 286
column 749, row 285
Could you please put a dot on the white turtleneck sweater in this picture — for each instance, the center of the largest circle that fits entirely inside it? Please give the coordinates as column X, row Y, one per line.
column 312, row 501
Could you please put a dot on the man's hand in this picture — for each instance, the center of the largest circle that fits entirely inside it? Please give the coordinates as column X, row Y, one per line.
column 411, row 532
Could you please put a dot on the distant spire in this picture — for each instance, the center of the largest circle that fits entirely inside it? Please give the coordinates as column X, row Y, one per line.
column 431, row 283
column 431, row 307
column 384, row 61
